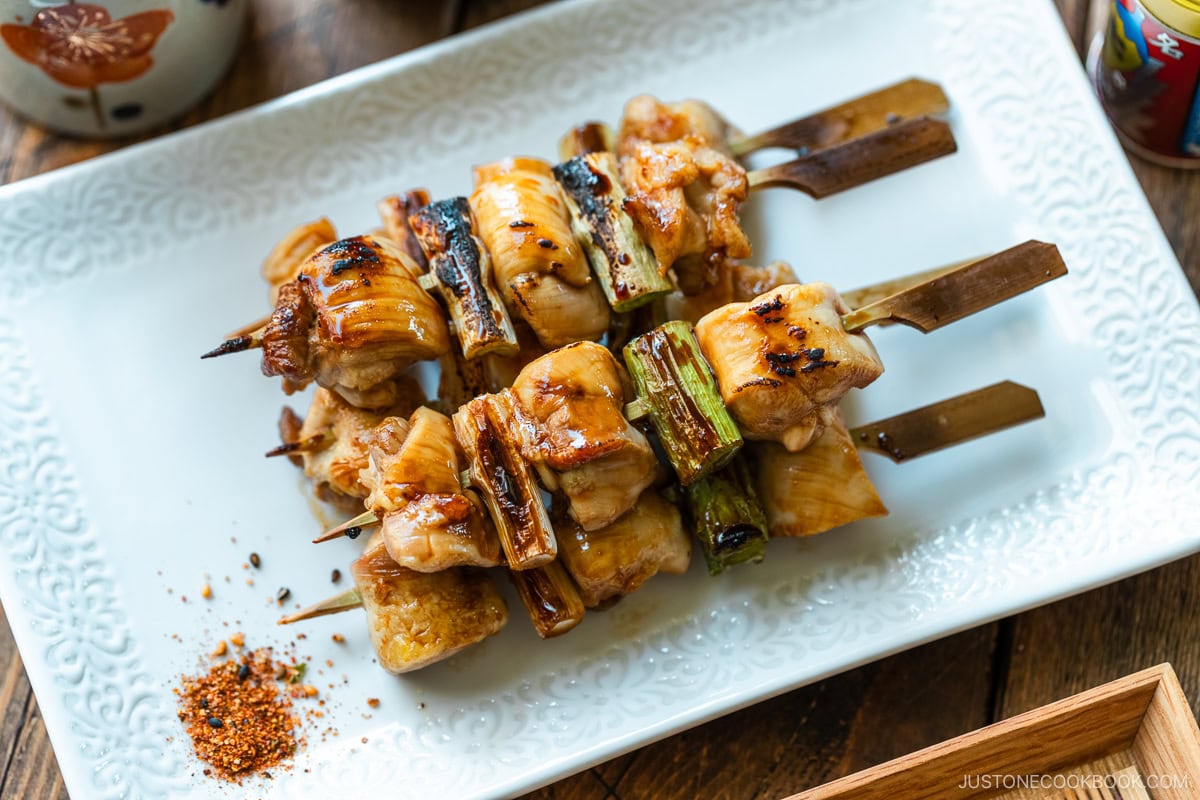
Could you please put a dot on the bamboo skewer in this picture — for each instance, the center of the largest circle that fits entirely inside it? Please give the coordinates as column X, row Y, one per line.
column 855, row 118
column 950, row 422
column 865, row 295
column 250, row 327
column 310, row 445
column 965, row 290
column 351, row 598
column 853, row 163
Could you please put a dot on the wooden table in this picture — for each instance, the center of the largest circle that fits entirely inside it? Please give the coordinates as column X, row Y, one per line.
column 803, row 738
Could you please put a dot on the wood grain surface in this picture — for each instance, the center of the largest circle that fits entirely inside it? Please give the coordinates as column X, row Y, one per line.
column 802, row 738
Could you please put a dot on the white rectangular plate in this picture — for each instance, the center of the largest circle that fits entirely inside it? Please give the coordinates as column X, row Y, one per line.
column 127, row 465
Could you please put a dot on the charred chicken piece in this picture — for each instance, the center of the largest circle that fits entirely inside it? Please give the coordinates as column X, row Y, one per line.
column 416, row 619
column 684, row 192
column 573, row 430
column 615, row 560
column 817, row 489
column 285, row 259
column 538, row 264
column 353, row 320
column 430, row 522
column 784, row 360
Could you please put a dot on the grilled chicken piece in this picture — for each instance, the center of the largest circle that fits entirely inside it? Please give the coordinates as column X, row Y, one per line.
column 416, row 619
column 615, row 560
column 783, row 361
column 648, row 119
column 538, row 264
column 737, row 284
column 684, row 192
column 334, row 467
column 429, row 522
column 574, row 432
column 353, row 320
column 284, row 261
column 817, row 489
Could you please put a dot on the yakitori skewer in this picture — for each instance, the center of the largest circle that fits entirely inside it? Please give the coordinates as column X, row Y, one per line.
column 354, row 319
column 774, row 368
column 729, row 521
column 883, row 108
column 732, row 519
column 776, row 361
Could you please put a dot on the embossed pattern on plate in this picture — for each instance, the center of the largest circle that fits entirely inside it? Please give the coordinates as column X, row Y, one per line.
column 1107, row 486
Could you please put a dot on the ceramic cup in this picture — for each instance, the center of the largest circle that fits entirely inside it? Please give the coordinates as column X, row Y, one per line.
column 113, row 67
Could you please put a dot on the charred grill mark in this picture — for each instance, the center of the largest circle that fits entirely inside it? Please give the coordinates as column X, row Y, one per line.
column 520, row 298
column 234, row 345
column 354, row 253
column 771, row 306
column 498, row 465
column 591, row 191
column 816, row 359
column 769, row 382
column 285, row 339
column 589, row 138
column 456, row 258
column 784, row 364
column 780, row 363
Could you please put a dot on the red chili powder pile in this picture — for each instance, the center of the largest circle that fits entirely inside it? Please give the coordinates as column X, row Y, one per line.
column 239, row 716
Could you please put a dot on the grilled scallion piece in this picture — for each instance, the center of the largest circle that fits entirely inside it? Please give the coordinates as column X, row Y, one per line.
column 460, row 270
column 550, row 597
column 487, row 429
column 394, row 211
column 727, row 517
column 676, row 388
column 623, row 263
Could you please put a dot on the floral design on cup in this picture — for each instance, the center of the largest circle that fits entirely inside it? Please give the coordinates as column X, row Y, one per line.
column 80, row 45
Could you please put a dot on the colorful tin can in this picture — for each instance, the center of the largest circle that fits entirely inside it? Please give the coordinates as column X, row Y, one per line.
column 1148, row 77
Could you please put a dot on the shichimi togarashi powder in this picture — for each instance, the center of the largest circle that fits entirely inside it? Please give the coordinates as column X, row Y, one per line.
column 240, row 720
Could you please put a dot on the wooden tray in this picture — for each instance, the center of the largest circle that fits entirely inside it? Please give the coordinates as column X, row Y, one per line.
column 1136, row 734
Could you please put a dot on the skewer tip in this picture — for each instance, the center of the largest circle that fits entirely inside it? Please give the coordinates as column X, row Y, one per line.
column 234, row 345
column 330, row 605
column 351, row 528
